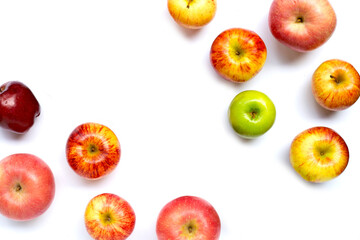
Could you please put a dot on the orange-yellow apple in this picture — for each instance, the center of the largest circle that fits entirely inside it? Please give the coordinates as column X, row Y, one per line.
column 302, row 25
column 93, row 150
column 188, row 218
column 27, row 186
column 319, row 154
column 192, row 14
column 336, row 85
column 109, row 217
column 238, row 54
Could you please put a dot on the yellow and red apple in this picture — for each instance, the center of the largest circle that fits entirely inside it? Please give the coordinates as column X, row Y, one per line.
column 336, row 85
column 193, row 14
column 93, row 150
column 238, row 54
column 109, row 217
column 188, row 218
column 27, row 186
column 302, row 25
column 319, row 154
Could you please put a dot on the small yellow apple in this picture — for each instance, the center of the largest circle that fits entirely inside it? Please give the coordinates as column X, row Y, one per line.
column 193, row 14
column 319, row 154
column 336, row 85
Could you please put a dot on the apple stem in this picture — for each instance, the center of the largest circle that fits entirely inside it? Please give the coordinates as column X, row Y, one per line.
column 253, row 114
column 188, row 5
column 335, row 79
column 18, row 187
column 299, row 20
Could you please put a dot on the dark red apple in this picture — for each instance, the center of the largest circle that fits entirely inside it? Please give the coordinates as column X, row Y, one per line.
column 18, row 107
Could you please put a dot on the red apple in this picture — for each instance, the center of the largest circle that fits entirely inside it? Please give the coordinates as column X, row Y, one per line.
column 336, row 85
column 188, row 218
column 18, row 107
column 302, row 25
column 109, row 217
column 27, row 186
column 238, row 54
column 93, row 150
column 319, row 154
column 193, row 14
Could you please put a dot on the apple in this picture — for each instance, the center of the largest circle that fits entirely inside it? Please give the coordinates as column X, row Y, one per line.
column 319, row 154
column 18, row 107
column 336, row 85
column 302, row 25
column 251, row 113
column 193, row 14
column 27, row 186
column 188, row 218
column 238, row 54
column 93, row 150
column 109, row 217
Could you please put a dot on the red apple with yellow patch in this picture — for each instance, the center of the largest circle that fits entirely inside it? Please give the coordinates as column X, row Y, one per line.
column 188, row 218
column 109, row 217
column 193, row 14
column 336, row 85
column 93, row 150
column 27, row 186
column 238, row 54
column 319, row 154
column 302, row 25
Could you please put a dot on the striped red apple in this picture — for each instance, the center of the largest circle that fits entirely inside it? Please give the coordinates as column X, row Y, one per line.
column 109, row 217
column 238, row 54
column 93, row 150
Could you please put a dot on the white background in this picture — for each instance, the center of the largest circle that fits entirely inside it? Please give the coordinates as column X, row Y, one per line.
column 128, row 65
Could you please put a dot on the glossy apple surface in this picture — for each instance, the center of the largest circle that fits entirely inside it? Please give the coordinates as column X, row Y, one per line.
column 302, row 25
column 109, row 217
column 238, row 54
column 251, row 113
column 18, row 107
column 319, row 154
column 336, row 85
column 188, row 218
column 93, row 150
column 193, row 14
column 27, row 186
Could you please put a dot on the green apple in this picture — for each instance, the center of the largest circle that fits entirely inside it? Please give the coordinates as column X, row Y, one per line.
column 251, row 113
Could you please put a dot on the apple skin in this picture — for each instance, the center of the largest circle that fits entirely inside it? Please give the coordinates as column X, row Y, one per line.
column 18, row 107
column 251, row 113
column 27, row 186
column 192, row 14
column 336, row 85
column 93, row 150
column 238, row 54
column 319, row 154
column 302, row 25
column 188, row 218
column 109, row 217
